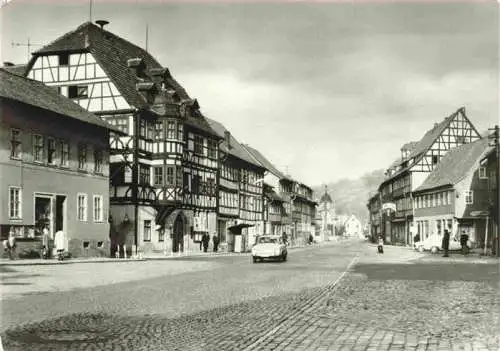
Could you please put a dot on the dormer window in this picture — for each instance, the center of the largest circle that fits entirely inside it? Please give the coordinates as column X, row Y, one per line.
column 63, row 59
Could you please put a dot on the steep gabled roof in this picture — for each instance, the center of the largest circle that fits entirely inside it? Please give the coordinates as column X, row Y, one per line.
column 455, row 165
column 112, row 53
column 37, row 94
column 266, row 163
column 422, row 146
column 236, row 150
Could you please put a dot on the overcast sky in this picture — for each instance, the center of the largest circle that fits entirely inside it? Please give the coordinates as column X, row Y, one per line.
column 331, row 90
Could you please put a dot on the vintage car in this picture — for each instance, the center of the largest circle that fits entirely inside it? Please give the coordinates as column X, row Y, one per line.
column 269, row 246
column 433, row 244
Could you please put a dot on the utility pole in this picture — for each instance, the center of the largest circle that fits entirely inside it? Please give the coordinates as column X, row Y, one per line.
column 495, row 143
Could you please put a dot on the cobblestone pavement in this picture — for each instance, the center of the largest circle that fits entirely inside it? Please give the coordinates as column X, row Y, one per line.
column 374, row 306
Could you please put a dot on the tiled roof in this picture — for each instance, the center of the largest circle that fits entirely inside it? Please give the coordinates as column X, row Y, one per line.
column 18, row 70
column 455, row 165
column 236, row 149
column 37, row 94
column 266, row 163
column 409, row 146
column 112, row 53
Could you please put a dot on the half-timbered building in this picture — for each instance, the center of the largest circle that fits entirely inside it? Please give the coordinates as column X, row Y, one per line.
column 240, row 191
column 164, row 171
column 298, row 214
column 418, row 159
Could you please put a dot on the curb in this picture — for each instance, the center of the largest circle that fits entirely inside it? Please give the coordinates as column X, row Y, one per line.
column 41, row 262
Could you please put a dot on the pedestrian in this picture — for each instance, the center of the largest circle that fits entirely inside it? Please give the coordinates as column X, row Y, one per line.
column 45, row 243
column 215, row 239
column 59, row 244
column 311, row 239
column 445, row 244
column 285, row 238
column 380, row 246
column 11, row 245
column 113, row 234
column 464, row 238
column 205, row 239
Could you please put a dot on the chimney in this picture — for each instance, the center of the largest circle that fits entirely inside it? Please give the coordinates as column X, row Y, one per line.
column 227, row 138
column 102, row 23
column 137, row 66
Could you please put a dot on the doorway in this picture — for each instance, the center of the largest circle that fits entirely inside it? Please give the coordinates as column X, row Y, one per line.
column 178, row 234
column 60, row 223
column 43, row 214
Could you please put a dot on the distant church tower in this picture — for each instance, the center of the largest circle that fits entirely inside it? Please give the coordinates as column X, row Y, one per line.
column 327, row 213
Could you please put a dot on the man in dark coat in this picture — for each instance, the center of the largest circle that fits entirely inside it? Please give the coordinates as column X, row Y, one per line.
column 205, row 239
column 215, row 239
column 446, row 242
column 463, row 242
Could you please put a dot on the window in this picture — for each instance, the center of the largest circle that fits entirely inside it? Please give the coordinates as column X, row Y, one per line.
column 98, row 208
column 212, row 149
column 159, row 130
column 147, row 230
column 482, row 173
column 15, row 143
column 460, row 139
column 144, row 174
column 64, row 147
column 469, row 197
column 51, row 151
column 98, row 160
column 179, row 176
column 161, row 235
column 198, row 145
column 82, row 156
column 82, row 207
column 170, row 175
column 78, row 91
column 63, row 59
column 211, row 186
column 195, row 186
column 171, row 130
column 14, row 203
column 180, row 133
column 434, row 159
column 38, row 148
column 158, row 175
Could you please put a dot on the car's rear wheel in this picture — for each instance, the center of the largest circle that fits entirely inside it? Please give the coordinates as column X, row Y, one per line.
column 434, row 249
column 254, row 259
column 420, row 249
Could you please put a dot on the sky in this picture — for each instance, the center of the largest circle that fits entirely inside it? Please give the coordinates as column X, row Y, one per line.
column 325, row 90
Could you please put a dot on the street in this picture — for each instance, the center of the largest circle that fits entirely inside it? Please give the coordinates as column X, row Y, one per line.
column 340, row 296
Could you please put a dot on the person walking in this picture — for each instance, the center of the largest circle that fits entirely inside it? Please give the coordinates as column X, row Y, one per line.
column 380, row 246
column 215, row 239
column 285, row 238
column 11, row 246
column 464, row 238
column 445, row 244
column 59, row 244
column 205, row 239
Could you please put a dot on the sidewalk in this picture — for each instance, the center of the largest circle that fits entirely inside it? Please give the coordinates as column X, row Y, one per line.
column 406, row 254
column 150, row 256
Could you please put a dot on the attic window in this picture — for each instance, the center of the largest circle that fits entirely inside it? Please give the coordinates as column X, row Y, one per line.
column 434, row 159
column 63, row 59
column 78, row 91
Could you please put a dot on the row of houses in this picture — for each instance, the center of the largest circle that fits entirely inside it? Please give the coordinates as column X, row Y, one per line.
column 98, row 137
column 446, row 180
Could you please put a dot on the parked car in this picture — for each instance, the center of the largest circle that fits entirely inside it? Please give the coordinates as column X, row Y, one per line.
column 433, row 244
column 270, row 247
